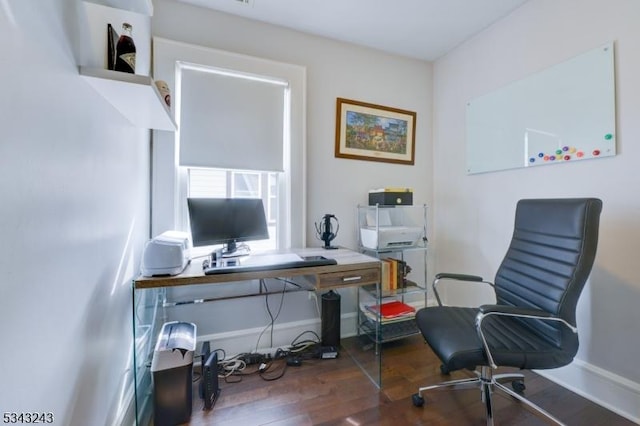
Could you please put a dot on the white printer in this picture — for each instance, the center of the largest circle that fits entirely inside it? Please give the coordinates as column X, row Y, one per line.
column 380, row 233
column 390, row 237
column 167, row 254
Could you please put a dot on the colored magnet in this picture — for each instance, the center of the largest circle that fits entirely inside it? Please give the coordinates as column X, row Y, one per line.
column 546, row 158
column 541, row 154
column 608, row 136
column 572, row 150
column 596, row 152
column 565, row 148
column 567, row 157
column 532, row 160
column 558, row 151
column 579, row 154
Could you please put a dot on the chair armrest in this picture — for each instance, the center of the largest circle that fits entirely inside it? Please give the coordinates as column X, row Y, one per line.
column 513, row 311
column 455, row 277
column 458, row 277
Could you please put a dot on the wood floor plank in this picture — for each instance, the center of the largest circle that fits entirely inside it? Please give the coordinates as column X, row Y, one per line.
column 336, row 392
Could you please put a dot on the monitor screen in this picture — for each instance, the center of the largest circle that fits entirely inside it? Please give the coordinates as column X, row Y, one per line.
column 226, row 221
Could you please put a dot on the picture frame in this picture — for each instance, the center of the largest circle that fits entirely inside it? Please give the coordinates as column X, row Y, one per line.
column 372, row 132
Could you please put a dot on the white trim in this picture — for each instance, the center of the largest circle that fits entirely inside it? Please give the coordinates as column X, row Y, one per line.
column 166, row 185
column 241, row 341
column 613, row 392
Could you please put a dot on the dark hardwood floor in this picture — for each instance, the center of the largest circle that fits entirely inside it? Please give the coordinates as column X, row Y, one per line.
column 336, row 392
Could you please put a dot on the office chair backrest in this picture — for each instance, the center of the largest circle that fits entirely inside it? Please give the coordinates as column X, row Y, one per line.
column 549, row 259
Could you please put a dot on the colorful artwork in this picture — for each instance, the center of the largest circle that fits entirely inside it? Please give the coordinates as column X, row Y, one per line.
column 375, row 133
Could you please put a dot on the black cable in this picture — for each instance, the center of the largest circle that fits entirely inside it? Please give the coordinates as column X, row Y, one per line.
column 266, row 301
column 300, row 347
column 271, row 316
column 268, row 367
column 293, row 342
column 286, row 281
column 223, row 354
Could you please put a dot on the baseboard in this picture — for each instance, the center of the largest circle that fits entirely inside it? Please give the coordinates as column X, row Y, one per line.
column 241, row 341
column 615, row 393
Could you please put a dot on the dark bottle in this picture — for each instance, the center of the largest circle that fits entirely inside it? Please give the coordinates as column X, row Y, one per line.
column 126, row 51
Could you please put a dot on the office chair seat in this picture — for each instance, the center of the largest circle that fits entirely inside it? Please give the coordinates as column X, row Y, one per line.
column 532, row 325
column 451, row 333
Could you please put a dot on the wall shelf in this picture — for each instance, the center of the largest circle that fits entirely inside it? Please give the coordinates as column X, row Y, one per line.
column 135, row 96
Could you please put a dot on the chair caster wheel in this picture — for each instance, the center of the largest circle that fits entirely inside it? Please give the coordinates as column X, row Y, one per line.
column 417, row 399
column 443, row 369
column 518, row 386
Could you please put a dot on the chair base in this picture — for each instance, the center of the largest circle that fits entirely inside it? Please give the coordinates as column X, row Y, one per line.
column 488, row 383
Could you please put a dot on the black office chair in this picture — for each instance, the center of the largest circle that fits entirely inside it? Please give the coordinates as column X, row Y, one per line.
column 533, row 323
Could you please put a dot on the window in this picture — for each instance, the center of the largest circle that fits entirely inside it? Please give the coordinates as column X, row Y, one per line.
column 206, row 168
column 246, row 184
column 242, row 127
column 218, row 183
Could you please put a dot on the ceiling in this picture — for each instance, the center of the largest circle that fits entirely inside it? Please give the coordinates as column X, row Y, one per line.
column 423, row 29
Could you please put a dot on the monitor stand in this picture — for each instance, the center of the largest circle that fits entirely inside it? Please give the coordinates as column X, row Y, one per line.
column 232, row 249
column 218, row 255
column 240, row 251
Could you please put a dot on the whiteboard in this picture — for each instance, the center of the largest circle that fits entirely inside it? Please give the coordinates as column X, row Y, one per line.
column 565, row 113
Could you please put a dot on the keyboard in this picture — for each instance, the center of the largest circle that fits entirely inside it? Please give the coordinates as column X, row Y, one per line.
column 304, row 262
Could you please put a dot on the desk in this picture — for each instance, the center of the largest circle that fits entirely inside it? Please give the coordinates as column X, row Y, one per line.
column 352, row 269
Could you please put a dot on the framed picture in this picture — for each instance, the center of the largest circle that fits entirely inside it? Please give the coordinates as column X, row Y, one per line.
column 374, row 133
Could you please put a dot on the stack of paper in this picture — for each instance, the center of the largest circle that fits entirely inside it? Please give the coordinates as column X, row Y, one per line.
column 390, row 311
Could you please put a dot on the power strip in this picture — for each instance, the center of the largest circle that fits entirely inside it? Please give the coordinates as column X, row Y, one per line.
column 254, row 358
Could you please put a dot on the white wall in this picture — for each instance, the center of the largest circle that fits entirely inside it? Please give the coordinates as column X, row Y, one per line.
column 333, row 70
column 474, row 214
column 74, row 215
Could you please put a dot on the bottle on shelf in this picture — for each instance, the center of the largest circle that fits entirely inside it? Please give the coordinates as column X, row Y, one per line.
column 126, row 51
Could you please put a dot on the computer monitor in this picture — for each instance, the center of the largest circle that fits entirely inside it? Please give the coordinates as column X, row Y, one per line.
column 226, row 221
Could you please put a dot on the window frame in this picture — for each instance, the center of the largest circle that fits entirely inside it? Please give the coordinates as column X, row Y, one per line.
column 169, row 180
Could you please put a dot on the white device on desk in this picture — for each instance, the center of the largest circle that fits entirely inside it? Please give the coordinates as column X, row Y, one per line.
column 386, row 235
column 167, row 254
column 389, row 237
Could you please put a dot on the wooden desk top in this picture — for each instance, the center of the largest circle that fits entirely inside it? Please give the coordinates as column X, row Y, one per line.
column 353, row 268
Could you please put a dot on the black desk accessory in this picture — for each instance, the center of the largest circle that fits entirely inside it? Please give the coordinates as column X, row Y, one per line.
column 325, row 230
column 211, row 386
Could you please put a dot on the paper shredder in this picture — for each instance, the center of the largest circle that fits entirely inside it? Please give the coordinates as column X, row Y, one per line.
column 172, row 369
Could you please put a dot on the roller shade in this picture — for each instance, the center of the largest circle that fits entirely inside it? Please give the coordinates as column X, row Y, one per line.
column 231, row 121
